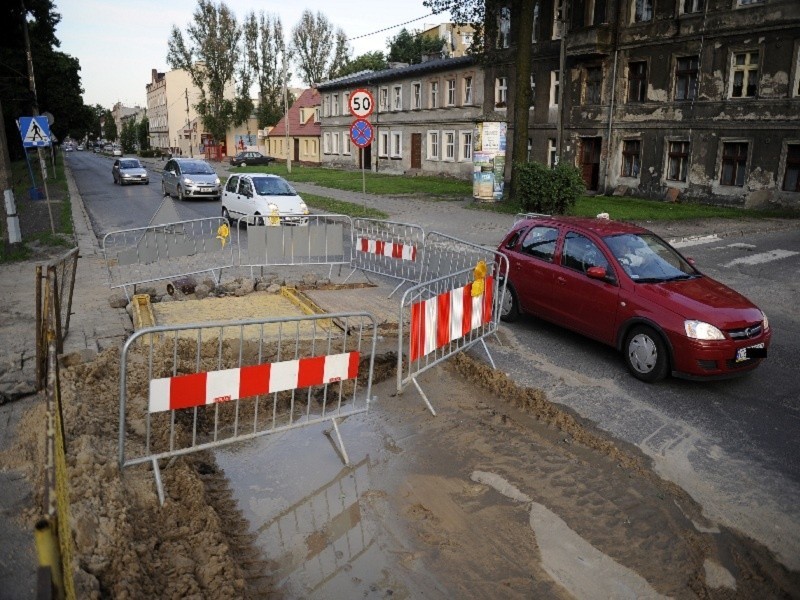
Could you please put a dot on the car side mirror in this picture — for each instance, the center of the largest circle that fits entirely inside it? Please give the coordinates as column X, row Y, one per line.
column 597, row 272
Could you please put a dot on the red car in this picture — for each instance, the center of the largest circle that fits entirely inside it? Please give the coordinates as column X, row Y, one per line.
column 626, row 287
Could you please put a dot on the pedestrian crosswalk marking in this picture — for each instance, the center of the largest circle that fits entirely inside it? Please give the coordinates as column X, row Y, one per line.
column 761, row 258
column 694, row 241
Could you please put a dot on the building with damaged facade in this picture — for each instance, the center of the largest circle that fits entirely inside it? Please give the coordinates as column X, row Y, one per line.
column 662, row 98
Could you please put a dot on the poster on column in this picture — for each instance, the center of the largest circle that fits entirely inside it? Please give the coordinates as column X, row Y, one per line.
column 488, row 158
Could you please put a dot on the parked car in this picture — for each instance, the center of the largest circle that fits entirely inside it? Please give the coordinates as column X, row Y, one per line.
column 190, row 178
column 626, row 287
column 80, row 147
column 116, row 151
column 97, row 149
column 129, row 170
column 268, row 198
column 244, row 159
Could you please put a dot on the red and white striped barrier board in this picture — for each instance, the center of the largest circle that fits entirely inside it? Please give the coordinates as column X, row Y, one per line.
column 389, row 249
column 440, row 320
column 199, row 389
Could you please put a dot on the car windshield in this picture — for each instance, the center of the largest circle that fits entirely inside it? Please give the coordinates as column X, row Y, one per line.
column 648, row 259
column 129, row 164
column 272, row 186
column 196, row 168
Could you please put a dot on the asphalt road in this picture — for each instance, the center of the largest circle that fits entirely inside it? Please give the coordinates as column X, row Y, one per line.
column 731, row 444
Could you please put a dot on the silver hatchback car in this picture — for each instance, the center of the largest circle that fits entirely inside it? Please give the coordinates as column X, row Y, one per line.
column 190, row 178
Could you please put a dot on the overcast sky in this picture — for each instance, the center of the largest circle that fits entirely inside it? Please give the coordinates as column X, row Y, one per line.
column 119, row 42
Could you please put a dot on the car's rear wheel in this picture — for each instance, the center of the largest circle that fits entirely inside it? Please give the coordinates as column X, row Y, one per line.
column 509, row 310
column 646, row 354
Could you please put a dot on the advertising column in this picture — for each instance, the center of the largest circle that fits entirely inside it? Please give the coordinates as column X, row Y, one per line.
column 489, row 161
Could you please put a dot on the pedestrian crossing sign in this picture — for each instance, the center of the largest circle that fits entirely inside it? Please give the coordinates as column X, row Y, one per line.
column 35, row 131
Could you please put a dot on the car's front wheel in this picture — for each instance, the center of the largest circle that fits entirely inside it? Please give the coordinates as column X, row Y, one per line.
column 181, row 197
column 164, row 191
column 227, row 216
column 646, row 354
column 509, row 309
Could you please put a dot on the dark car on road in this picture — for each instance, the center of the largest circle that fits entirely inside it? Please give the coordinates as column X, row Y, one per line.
column 626, row 287
column 129, row 170
column 250, row 158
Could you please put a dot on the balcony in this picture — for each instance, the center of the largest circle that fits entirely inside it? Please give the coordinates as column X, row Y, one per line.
column 590, row 41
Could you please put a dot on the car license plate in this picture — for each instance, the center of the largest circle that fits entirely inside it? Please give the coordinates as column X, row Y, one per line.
column 742, row 353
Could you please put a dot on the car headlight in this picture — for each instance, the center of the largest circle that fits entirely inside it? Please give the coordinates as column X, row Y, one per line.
column 702, row 331
column 303, row 208
column 273, row 208
column 187, row 181
column 216, row 181
column 766, row 320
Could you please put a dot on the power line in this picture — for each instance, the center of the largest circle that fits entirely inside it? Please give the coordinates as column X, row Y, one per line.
column 358, row 37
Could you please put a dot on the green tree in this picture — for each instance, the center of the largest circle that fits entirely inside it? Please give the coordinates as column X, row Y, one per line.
column 269, row 59
column 127, row 138
column 410, row 46
column 370, row 61
column 211, row 59
column 109, row 127
column 143, row 134
column 316, row 48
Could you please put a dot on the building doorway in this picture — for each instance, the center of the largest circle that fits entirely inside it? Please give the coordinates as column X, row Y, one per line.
column 590, row 161
column 366, row 156
column 416, row 150
column 296, row 150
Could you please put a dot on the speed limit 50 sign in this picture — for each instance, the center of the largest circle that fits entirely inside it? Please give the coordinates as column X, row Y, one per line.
column 361, row 103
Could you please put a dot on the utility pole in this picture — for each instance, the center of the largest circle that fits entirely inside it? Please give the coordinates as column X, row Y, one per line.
column 188, row 125
column 10, row 225
column 286, row 115
column 32, row 80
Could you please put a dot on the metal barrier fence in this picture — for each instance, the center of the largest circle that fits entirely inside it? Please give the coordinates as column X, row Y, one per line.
column 445, row 254
column 55, row 284
column 388, row 248
column 320, row 240
column 167, row 251
column 305, row 567
column 447, row 315
column 201, row 386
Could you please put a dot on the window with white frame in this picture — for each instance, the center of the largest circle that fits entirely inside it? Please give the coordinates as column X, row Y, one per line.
column 504, row 27
column 396, row 150
column 326, row 105
column 533, row 90
column 744, row 75
column 642, row 11
column 433, row 145
column 500, row 92
column 451, row 92
column 335, row 143
column 347, row 144
column 535, row 29
column 466, row 146
column 791, row 172
column 734, row 163
column 552, row 152
column 434, row 94
column 383, row 98
column 397, row 97
column 345, row 103
column 326, row 143
column 316, row 114
column 796, row 87
column 416, row 92
column 558, row 18
column 554, row 83
column 748, row 2
column 335, row 105
column 383, row 144
column 467, row 90
column 466, row 39
column 449, row 143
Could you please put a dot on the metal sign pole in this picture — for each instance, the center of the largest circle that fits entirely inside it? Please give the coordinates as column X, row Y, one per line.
column 363, row 180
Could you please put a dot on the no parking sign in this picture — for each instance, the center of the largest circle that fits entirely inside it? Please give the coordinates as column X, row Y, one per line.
column 361, row 132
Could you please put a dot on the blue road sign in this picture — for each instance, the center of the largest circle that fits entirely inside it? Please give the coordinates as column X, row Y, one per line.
column 361, row 133
column 35, row 131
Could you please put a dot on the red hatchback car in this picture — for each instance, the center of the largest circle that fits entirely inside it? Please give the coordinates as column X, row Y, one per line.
column 626, row 287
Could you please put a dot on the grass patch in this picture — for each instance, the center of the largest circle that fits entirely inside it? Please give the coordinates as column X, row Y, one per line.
column 638, row 209
column 340, row 207
column 381, row 184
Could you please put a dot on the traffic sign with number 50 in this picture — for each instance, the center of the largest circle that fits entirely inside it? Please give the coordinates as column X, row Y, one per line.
column 361, row 103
